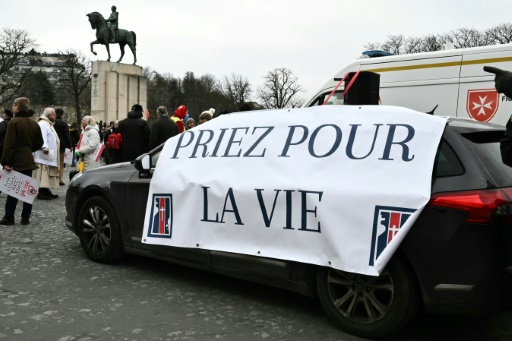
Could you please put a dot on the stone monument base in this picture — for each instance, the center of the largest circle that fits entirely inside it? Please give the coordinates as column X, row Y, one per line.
column 115, row 88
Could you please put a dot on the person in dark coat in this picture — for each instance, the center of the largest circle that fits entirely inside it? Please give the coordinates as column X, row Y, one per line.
column 75, row 137
column 62, row 130
column 135, row 133
column 23, row 137
column 162, row 129
column 503, row 84
column 3, row 128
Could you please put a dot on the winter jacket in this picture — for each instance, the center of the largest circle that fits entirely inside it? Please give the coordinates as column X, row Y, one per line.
column 3, row 130
column 62, row 130
column 162, row 129
column 92, row 140
column 75, row 137
column 51, row 142
column 135, row 133
column 23, row 137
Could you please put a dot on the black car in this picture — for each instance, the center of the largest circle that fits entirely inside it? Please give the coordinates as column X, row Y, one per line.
column 456, row 258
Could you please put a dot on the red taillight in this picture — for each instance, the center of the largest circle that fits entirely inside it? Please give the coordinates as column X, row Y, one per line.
column 482, row 206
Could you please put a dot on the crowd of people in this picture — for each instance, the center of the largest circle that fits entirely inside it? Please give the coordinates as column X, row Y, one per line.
column 37, row 146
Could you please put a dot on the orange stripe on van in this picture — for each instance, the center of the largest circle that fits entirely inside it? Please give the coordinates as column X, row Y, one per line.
column 447, row 64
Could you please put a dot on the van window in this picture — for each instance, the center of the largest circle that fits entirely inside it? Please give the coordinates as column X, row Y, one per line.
column 336, row 99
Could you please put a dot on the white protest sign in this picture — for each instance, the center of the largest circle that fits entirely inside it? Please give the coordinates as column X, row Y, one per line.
column 83, row 139
column 68, row 156
column 18, row 185
column 97, row 152
column 335, row 186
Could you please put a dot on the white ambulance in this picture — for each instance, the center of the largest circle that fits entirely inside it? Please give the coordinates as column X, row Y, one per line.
column 453, row 79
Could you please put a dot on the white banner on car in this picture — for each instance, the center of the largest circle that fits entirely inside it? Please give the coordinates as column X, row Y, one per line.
column 336, row 186
column 18, row 185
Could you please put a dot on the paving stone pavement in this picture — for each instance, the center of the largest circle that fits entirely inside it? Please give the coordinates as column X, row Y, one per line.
column 49, row 290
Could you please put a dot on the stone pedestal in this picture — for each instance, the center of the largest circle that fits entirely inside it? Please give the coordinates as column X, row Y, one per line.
column 115, row 88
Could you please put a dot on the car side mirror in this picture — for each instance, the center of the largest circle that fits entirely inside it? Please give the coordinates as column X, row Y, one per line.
column 143, row 163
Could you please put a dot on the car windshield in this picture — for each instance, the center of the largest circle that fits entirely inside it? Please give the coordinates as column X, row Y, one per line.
column 335, row 99
column 487, row 147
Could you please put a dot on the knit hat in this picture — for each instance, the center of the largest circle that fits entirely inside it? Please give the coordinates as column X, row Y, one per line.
column 8, row 113
column 137, row 107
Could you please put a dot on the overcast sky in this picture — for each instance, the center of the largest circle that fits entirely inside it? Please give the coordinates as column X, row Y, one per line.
column 314, row 39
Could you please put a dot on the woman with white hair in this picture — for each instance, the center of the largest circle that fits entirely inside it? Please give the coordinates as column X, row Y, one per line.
column 89, row 142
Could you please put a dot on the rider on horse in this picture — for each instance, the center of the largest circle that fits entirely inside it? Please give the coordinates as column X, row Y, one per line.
column 113, row 20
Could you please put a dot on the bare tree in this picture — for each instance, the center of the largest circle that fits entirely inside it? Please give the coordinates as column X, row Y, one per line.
column 371, row 46
column 468, row 37
column 237, row 88
column 431, row 43
column 413, row 45
column 501, row 34
column 279, row 89
column 14, row 46
column 208, row 82
column 461, row 38
column 394, row 44
column 75, row 76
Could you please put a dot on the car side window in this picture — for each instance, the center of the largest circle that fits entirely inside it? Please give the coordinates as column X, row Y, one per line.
column 447, row 163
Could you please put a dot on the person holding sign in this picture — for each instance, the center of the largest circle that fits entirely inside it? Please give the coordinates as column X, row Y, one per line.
column 47, row 159
column 23, row 137
column 89, row 143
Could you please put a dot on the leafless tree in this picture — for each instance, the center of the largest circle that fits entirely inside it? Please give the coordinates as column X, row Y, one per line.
column 461, row 38
column 468, row 37
column 501, row 34
column 237, row 88
column 413, row 45
column 431, row 43
column 279, row 89
column 371, row 46
column 394, row 44
column 14, row 47
column 75, row 76
column 209, row 83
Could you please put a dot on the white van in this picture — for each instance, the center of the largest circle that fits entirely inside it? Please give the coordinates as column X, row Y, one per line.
column 453, row 79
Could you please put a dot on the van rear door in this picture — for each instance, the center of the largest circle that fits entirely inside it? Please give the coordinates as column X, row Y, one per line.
column 478, row 98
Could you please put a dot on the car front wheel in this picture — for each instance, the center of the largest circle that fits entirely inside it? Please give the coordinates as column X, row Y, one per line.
column 368, row 306
column 98, row 231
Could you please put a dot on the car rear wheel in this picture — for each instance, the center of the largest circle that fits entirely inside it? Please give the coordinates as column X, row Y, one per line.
column 368, row 306
column 98, row 231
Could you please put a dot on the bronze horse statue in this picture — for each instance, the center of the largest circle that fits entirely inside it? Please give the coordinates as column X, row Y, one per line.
column 124, row 37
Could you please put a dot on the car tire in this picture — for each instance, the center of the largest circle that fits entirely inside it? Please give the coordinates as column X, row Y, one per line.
column 98, row 231
column 367, row 306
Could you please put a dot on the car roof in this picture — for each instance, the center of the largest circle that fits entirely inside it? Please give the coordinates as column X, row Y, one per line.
column 467, row 125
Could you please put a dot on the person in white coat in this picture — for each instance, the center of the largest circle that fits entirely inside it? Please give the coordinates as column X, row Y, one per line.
column 47, row 158
column 89, row 143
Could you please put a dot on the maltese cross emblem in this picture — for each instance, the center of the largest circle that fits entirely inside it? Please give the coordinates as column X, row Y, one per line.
column 482, row 104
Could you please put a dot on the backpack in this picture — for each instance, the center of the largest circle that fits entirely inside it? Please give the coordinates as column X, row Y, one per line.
column 114, row 141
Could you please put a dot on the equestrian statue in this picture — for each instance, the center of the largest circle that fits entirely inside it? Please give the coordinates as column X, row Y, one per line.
column 107, row 32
